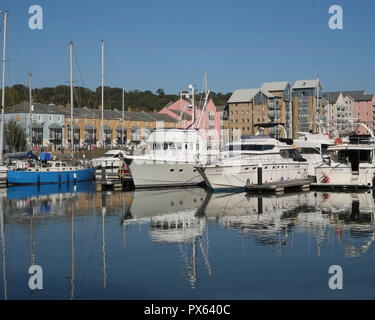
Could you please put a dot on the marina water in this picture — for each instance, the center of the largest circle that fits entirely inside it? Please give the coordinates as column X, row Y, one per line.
column 184, row 244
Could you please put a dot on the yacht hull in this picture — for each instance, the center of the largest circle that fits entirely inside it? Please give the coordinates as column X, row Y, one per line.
column 149, row 174
column 48, row 177
column 230, row 177
column 343, row 176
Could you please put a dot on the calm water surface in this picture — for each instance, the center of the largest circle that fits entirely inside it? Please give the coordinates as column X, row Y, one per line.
column 185, row 244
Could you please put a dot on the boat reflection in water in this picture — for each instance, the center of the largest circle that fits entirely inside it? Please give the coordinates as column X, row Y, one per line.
column 174, row 218
column 44, row 199
column 271, row 220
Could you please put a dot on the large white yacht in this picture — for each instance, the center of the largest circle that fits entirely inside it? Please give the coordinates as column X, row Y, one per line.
column 167, row 159
column 240, row 160
column 351, row 164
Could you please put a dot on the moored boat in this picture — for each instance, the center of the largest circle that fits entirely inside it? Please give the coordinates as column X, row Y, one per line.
column 350, row 164
column 240, row 161
column 54, row 172
column 168, row 159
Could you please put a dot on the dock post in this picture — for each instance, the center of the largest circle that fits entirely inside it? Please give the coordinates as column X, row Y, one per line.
column 75, row 177
column 260, row 174
column 103, row 173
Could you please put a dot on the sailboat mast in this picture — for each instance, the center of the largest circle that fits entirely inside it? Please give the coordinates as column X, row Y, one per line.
column 71, row 97
column 30, row 107
column 3, row 90
column 102, row 121
column 122, row 120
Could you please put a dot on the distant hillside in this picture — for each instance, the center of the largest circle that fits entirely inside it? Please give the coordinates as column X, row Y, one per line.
column 134, row 100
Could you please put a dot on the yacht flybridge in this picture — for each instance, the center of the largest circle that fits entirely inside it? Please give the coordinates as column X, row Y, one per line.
column 351, row 164
column 239, row 161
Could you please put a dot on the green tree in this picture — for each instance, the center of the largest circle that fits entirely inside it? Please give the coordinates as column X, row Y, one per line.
column 15, row 136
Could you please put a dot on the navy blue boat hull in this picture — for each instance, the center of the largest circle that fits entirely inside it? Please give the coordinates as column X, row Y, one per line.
column 48, row 177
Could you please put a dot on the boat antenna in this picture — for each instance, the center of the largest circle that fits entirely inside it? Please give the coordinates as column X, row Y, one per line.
column 5, row 15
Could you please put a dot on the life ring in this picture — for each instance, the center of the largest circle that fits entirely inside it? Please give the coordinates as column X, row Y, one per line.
column 338, row 141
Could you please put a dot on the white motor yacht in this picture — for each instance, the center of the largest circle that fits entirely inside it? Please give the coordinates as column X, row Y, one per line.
column 167, row 159
column 350, row 164
column 240, row 160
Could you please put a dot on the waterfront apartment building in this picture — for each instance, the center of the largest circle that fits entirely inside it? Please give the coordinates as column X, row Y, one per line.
column 363, row 109
column 338, row 109
column 47, row 123
column 307, row 106
column 137, row 126
column 280, row 106
column 51, row 125
column 344, row 107
column 247, row 110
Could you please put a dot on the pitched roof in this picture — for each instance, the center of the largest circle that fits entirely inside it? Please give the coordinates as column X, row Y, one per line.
column 331, row 96
column 274, row 86
column 246, row 95
column 24, row 107
column 358, row 95
column 302, row 84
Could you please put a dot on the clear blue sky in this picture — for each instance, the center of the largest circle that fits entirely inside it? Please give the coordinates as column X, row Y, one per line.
column 169, row 43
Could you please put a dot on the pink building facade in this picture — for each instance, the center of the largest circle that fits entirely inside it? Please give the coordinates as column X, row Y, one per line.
column 363, row 111
column 208, row 122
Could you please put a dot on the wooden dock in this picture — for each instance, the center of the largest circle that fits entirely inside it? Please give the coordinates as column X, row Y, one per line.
column 279, row 187
column 114, row 184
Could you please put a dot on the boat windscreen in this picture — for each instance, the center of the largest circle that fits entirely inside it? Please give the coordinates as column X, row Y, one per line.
column 249, row 147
